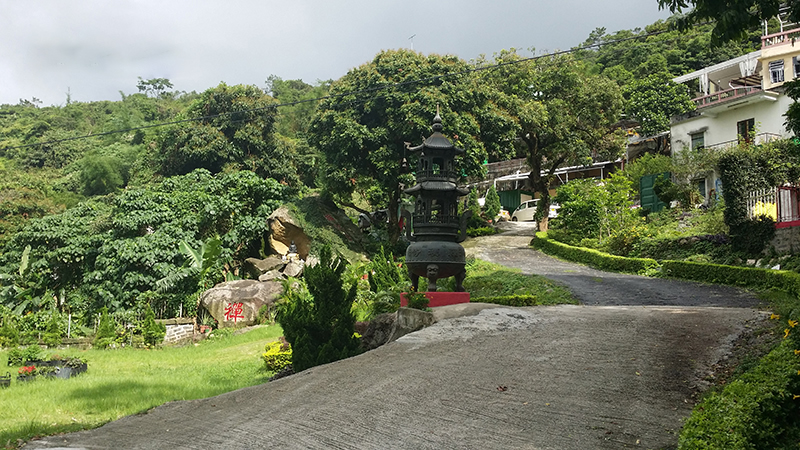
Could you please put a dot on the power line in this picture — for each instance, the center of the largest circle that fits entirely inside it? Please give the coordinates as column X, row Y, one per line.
column 345, row 94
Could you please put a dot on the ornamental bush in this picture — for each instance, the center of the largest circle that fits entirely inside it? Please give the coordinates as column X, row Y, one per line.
column 106, row 330
column 319, row 322
column 278, row 355
column 153, row 332
column 594, row 258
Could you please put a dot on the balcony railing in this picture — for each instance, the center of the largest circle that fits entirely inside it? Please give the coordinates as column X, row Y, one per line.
column 760, row 138
column 784, row 37
column 723, row 96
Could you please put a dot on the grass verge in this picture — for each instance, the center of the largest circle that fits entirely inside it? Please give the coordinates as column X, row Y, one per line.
column 129, row 381
column 492, row 283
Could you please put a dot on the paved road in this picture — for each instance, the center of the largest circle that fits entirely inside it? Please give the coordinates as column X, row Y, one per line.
column 563, row 377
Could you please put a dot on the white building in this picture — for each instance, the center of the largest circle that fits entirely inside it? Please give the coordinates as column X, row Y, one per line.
column 739, row 99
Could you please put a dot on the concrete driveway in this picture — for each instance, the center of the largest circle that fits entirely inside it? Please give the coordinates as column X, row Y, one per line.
column 563, row 377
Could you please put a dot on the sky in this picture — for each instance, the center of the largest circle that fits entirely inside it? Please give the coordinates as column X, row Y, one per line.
column 93, row 49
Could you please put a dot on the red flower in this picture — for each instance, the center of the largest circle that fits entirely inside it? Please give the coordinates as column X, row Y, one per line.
column 26, row 370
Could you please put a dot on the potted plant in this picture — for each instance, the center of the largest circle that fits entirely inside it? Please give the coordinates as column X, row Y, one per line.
column 47, row 371
column 78, row 365
column 5, row 380
column 27, row 373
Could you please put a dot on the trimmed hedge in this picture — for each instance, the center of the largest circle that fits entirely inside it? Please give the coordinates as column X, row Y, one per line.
column 593, row 258
column 757, row 410
column 731, row 275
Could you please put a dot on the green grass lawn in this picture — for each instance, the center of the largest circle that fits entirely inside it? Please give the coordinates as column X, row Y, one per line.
column 486, row 279
column 128, row 381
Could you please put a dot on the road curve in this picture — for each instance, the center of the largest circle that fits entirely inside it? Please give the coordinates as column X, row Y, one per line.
column 617, row 372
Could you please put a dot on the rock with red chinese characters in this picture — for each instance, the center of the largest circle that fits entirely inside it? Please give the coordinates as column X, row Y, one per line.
column 285, row 230
column 236, row 303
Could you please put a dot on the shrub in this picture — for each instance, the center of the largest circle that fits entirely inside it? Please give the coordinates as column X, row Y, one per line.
column 319, row 323
column 738, row 276
column 757, row 410
column 384, row 302
column 278, row 355
column 17, row 356
column 153, row 332
column 594, row 258
column 384, row 274
column 417, row 300
column 482, row 231
column 9, row 336
column 492, row 204
column 53, row 333
column 106, row 330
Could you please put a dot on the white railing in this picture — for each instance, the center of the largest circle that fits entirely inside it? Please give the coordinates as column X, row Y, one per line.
column 762, row 203
column 760, row 138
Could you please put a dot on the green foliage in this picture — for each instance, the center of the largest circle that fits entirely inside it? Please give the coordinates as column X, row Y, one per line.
column 153, row 332
column 101, row 175
column 647, row 164
column 595, row 209
column 594, row 258
column 277, row 355
column 106, row 331
column 362, row 135
column 748, row 168
column 755, row 411
column 236, row 130
column 384, row 274
column 319, row 323
column 731, row 19
column 18, row 356
column 750, row 277
column 562, row 114
column 54, row 332
column 653, row 101
column 417, row 300
column 384, row 302
column 486, row 281
column 476, row 220
column 9, row 335
column 492, row 205
column 113, row 251
column 482, row 231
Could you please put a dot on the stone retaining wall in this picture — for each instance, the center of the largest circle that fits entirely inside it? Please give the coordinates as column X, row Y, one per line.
column 178, row 330
column 786, row 239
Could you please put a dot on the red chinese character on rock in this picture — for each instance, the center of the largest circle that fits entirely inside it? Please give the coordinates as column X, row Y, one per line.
column 233, row 311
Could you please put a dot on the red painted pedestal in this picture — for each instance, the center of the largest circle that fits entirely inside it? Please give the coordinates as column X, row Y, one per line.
column 440, row 298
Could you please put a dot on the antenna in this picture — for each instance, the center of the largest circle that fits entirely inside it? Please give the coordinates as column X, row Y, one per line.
column 412, row 40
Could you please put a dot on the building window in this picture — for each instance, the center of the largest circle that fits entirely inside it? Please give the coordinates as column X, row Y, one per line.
column 796, row 65
column 744, row 130
column 698, row 140
column 776, row 71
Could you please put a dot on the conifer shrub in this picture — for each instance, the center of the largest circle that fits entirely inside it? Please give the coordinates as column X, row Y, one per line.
column 153, row 332
column 318, row 322
column 106, row 330
column 492, row 205
column 54, row 333
column 9, row 335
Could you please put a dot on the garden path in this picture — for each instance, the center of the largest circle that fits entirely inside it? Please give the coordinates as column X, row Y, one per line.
column 619, row 371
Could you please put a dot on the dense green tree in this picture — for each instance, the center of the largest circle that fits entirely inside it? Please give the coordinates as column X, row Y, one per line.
column 153, row 332
column 236, row 130
column 653, row 100
column 376, row 109
column 731, row 18
column 563, row 116
column 157, row 87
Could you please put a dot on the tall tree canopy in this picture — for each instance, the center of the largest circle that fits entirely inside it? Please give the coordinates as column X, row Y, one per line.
column 237, row 128
column 563, row 116
column 653, row 100
column 377, row 108
column 732, row 18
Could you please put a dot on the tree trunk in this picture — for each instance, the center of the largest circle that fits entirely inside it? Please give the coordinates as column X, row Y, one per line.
column 393, row 227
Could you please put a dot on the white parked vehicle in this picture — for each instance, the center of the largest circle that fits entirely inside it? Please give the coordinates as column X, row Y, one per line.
column 526, row 210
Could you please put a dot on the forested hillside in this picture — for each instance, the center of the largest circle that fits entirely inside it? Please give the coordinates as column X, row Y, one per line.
column 99, row 221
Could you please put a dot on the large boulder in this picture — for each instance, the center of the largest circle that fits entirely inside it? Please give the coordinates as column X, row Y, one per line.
column 236, row 303
column 256, row 267
column 284, row 230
